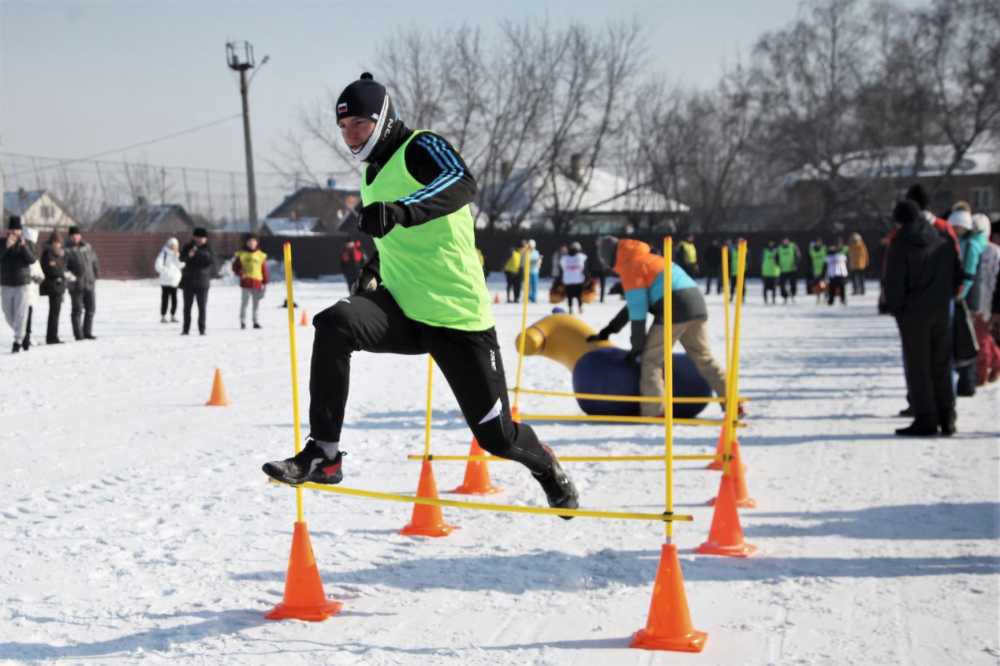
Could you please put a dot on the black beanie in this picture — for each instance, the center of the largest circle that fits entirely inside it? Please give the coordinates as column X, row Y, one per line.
column 200, row 232
column 13, row 222
column 364, row 98
column 74, row 230
column 906, row 212
column 918, row 195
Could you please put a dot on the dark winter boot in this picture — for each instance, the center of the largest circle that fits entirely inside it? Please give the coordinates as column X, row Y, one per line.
column 310, row 464
column 559, row 490
column 16, row 348
column 908, row 411
column 922, row 426
column 26, row 345
column 948, row 423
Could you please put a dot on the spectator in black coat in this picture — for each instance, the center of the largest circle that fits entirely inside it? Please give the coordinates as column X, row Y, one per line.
column 921, row 277
column 196, row 278
column 16, row 257
column 54, row 286
column 713, row 267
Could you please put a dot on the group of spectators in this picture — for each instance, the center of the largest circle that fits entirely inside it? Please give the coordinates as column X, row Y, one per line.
column 940, row 282
column 573, row 272
column 28, row 272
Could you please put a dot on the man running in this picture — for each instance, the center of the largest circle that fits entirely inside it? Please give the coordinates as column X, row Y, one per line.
column 421, row 293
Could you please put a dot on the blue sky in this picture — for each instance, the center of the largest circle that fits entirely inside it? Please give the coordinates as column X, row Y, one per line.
column 79, row 78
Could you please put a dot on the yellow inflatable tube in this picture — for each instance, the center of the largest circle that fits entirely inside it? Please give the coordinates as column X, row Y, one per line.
column 561, row 338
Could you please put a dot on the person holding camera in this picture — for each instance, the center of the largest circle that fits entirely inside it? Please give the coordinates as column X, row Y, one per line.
column 54, row 286
column 15, row 278
column 196, row 278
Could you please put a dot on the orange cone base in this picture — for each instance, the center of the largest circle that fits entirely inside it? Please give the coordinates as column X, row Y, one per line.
column 745, row 503
column 439, row 530
column 669, row 624
column 644, row 639
column 739, row 550
column 309, row 613
column 304, row 596
column 475, row 490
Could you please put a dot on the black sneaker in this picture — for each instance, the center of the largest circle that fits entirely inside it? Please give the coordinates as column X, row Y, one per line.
column 310, row 464
column 16, row 348
column 906, row 412
column 558, row 488
column 256, row 325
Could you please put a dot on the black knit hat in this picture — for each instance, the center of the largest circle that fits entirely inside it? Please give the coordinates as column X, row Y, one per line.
column 74, row 230
column 200, row 232
column 918, row 195
column 13, row 222
column 366, row 98
column 906, row 212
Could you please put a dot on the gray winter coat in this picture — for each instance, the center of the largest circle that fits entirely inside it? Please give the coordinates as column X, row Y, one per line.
column 81, row 261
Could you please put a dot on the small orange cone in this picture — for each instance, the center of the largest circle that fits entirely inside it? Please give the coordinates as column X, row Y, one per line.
column 496, row 297
column 726, row 535
column 304, row 596
column 515, row 414
column 427, row 519
column 719, row 451
column 218, row 397
column 743, row 499
column 669, row 624
column 477, row 475
column 304, row 320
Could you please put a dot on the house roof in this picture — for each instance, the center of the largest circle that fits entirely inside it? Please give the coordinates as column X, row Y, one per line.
column 329, row 206
column 140, row 218
column 898, row 162
column 15, row 204
column 284, row 226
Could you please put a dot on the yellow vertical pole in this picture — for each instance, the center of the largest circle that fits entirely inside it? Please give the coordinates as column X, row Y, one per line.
column 732, row 383
column 526, row 263
column 725, row 305
column 427, row 421
column 668, row 381
column 287, row 249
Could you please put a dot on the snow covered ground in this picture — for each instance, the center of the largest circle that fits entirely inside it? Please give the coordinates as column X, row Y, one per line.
column 136, row 526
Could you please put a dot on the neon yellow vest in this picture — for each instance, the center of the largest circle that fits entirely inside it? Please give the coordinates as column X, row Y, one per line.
column 252, row 264
column 432, row 270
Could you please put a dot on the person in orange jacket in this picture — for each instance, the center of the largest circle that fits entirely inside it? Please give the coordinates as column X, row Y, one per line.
column 251, row 265
column 857, row 264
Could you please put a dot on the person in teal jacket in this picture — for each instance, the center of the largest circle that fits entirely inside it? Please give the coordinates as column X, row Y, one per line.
column 426, row 295
column 770, row 271
column 971, row 245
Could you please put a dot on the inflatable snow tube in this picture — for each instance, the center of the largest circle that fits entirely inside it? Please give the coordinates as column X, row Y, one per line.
column 606, row 371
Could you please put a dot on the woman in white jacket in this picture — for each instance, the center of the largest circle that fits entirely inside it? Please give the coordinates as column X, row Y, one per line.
column 168, row 266
column 37, row 276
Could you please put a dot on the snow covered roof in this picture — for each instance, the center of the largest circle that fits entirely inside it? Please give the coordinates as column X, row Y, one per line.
column 286, row 226
column 142, row 217
column 898, row 162
column 16, row 203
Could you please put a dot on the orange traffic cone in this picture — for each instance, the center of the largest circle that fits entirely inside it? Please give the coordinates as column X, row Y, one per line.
column 427, row 519
column 304, row 320
column 218, row 397
column 669, row 624
column 719, row 450
column 726, row 535
column 304, row 596
column 515, row 414
column 496, row 297
column 477, row 475
column 743, row 499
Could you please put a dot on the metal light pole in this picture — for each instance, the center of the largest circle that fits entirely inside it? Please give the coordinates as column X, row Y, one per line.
column 239, row 57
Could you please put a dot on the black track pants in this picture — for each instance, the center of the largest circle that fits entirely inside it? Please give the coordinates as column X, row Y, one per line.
column 192, row 295
column 926, row 339
column 470, row 361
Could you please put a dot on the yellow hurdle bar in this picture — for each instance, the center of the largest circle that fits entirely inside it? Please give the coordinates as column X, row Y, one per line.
column 622, row 419
column 621, row 398
column 483, row 506
column 692, row 456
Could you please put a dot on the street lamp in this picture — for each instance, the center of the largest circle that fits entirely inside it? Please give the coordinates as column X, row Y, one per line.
column 239, row 57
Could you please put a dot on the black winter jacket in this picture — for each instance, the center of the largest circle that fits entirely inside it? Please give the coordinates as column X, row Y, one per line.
column 14, row 264
column 922, row 271
column 199, row 267
column 54, row 268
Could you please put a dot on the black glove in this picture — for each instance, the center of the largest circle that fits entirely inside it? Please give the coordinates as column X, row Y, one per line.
column 633, row 355
column 377, row 219
column 602, row 336
column 367, row 280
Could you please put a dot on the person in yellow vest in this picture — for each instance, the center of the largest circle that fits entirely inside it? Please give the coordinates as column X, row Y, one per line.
column 428, row 297
column 687, row 255
column 512, row 271
column 251, row 265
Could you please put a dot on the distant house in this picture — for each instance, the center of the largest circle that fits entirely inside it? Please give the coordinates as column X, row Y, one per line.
column 598, row 200
column 143, row 217
column 882, row 176
column 286, row 226
column 38, row 209
column 330, row 207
